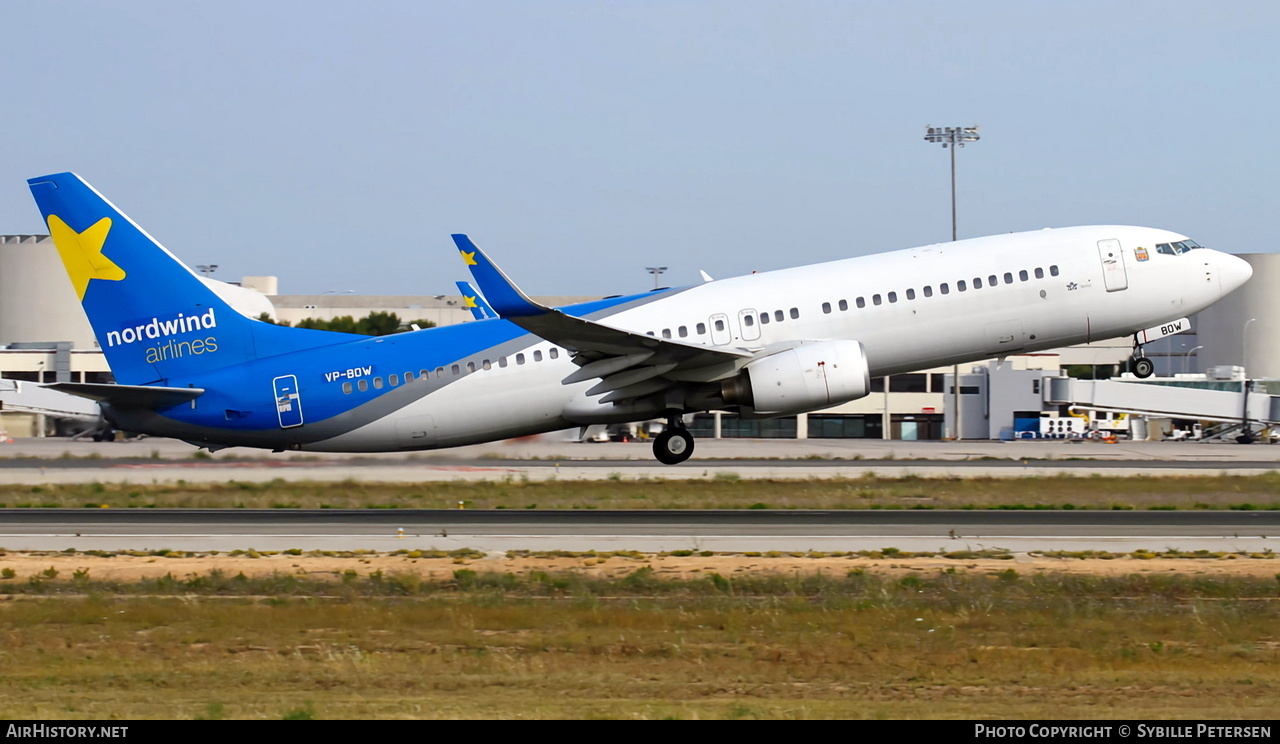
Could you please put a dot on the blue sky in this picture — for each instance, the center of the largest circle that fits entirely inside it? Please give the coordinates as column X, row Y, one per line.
column 337, row 145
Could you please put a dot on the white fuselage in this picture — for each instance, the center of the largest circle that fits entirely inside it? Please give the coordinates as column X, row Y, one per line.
column 911, row 309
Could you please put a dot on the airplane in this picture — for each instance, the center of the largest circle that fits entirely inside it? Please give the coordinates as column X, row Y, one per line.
column 768, row 344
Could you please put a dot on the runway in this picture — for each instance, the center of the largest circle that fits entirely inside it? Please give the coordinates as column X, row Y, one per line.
column 58, row 461
column 644, row 531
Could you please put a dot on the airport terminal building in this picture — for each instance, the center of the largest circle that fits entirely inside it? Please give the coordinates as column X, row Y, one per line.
column 45, row 337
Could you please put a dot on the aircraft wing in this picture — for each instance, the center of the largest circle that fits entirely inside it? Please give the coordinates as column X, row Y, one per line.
column 629, row 364
column 475, row 302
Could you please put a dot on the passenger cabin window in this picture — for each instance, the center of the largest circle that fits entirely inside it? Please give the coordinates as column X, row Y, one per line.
column 826, row 308
column 486, row 364
column 893, row 297
column 471, row 366
column 875, row 299
column 777, row 315
column 1039, row 273
column 346, row 388
column 502, row 361
column 764, row 318
column 862, row 302
column 1008, row 278
column 363, row 385
column 394, row 380
column 960, row 286
column 456, row 369
column 943, row 288
column 377, row 382
column 977, row 282
column 911, row 294
column 684, row 331
column 747, row 320
column 1053, row 271
column 537, row 355
column 795, row 313
column 519, row 358
column 992, row 280
column 928, row 291
column 702, row 329
column 720, row 324
column 1023, row 275
column 666, row 333
column 555, row 353
column 844, row 305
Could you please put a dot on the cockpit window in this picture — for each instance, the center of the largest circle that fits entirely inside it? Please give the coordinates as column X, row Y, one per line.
column 1178, row 248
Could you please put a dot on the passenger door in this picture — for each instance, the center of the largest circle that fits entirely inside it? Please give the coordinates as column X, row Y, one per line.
column 1113, row 273
column 288, row 404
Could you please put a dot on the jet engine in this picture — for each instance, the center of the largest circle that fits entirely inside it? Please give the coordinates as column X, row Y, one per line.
column 808, row 377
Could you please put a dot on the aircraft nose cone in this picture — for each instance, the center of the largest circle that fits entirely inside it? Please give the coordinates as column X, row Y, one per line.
column 1233, row 272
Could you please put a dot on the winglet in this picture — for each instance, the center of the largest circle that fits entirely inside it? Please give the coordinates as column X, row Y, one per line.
column 504, row 297
column 475, row 302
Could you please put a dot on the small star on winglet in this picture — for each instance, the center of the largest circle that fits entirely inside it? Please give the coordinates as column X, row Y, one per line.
column 82, row 252
column 468, row 258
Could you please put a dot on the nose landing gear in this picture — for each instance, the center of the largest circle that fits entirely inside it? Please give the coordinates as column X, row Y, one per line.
column 675, row 444
column 1142, row 367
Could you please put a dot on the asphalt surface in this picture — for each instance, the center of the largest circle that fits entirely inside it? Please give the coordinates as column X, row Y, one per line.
column 40, row 461
column 647, row 531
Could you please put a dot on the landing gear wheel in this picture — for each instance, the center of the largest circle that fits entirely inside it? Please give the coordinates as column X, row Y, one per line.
column 673, row 446
column 1143, row 368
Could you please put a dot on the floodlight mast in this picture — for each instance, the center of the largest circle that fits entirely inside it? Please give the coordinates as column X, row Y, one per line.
column 953, row 137
column 657, row 271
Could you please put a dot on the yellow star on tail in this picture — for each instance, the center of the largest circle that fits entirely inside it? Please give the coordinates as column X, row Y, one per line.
column 468, row 258
column 82, row 252
column 468, row 301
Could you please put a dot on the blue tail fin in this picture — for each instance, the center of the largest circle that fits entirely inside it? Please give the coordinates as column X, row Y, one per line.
column 154, row 319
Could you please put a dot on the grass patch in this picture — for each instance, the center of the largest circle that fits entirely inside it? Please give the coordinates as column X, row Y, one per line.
column 565, row 645
column 725, row 491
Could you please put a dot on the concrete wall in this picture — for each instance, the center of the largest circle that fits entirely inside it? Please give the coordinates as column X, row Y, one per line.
column 37, row 302
column 1243, row 328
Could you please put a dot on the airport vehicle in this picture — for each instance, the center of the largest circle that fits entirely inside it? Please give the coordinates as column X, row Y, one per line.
column 768, row 344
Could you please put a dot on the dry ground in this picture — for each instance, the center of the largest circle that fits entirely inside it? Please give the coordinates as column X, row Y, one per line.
column 132, row 568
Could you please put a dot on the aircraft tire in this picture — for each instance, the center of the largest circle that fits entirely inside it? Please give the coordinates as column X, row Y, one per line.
column 673, row 446
column 1143, row 368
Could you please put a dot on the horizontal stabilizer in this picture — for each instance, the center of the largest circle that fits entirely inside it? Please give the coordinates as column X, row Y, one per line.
column 150, row 397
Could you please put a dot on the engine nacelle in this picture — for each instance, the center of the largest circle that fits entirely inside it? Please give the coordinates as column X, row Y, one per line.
column 808, row 377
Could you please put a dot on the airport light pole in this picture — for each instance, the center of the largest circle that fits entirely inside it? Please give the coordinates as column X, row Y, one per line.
column 657, row 271
column 1186, row 362
column 207, row 269
column 1244, row 346
column 953, row 138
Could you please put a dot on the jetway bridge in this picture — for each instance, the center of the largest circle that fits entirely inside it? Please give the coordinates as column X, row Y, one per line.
column 1241, row 406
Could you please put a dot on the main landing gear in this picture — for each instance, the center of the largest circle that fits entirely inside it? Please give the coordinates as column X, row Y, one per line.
column 675, row 444
column 1142, row 367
